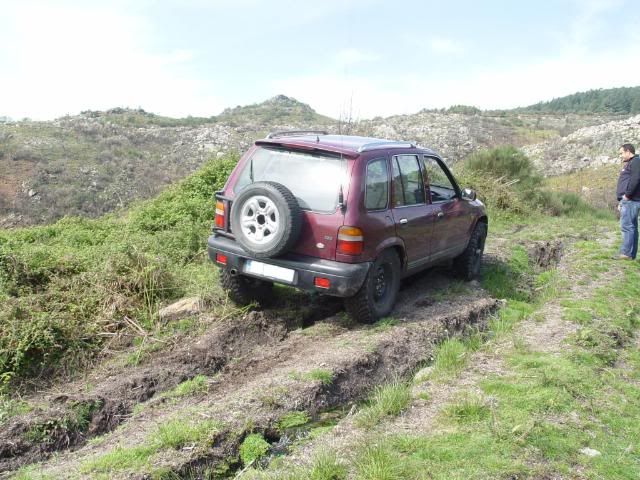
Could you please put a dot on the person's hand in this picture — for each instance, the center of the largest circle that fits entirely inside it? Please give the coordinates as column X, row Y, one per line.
column 619, row 206
column 624, row 197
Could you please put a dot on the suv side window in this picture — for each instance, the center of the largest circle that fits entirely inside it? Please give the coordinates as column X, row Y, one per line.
column 439, row 184
column 376, row 185
column 408, row 188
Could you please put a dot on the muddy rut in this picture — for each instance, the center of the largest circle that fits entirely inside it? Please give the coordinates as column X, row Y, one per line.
column 258, row 365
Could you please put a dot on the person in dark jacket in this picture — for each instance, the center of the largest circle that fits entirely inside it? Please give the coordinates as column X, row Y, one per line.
column 628, row 194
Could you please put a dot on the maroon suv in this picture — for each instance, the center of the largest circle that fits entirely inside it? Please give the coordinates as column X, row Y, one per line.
column 344, row 216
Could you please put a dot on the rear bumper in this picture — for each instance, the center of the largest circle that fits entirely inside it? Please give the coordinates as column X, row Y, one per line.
column 345, row 278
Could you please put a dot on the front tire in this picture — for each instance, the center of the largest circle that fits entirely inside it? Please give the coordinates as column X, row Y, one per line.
column 243, row 290
column 378, row 293
column 467, row 265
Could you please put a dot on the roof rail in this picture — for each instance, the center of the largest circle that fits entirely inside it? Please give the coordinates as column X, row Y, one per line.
column 390, row 144
column 296, row 133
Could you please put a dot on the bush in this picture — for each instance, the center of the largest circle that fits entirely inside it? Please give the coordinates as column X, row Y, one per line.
column 66, row 286
column 507, row 182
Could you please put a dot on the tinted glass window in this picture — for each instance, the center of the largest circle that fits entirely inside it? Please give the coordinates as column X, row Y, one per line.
column 377, row 185
column 408, row 188
column 313, row 179
column 439, row 184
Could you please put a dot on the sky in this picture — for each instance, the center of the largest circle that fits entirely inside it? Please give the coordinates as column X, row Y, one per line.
column 345, row 58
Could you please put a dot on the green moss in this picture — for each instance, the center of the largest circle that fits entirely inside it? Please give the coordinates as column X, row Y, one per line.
column 253, row 447
column 292, row 420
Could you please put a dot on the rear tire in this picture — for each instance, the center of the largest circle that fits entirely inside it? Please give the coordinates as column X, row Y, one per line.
column 378, row 293
column 266, row 219
column 243, row 290
column 467, row 264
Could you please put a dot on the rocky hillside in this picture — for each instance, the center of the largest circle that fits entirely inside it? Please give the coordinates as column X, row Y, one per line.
column 594, row 146
column 97, row 162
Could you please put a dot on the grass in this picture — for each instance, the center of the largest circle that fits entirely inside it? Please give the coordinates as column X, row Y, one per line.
column 11, row 407
column 322, row 375
column 384, row 401
column 178, row 433
column 327, row 466
column 193, row 386
column 449, row 358
column 534, row 420
column 173, row 434
column 469, row 409
column 75, row 420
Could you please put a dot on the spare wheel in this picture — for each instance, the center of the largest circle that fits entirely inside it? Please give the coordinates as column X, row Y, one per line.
column 266, row 219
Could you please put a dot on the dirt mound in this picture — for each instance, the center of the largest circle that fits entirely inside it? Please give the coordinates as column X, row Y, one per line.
column 545, row 254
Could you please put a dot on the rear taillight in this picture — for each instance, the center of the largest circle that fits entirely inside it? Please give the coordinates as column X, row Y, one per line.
column 219, row 219
column 350, row 240
column 221, row 258
column 321, row 282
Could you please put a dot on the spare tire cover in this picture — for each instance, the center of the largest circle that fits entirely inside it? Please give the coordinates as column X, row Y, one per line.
column 266, row 219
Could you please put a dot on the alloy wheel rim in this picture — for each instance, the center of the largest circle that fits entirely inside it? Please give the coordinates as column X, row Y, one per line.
column 260, row 220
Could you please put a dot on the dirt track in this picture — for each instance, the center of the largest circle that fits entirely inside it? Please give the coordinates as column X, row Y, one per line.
column 258, row 367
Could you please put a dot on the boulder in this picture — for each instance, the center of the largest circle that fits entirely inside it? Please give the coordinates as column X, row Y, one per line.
column 181, row 309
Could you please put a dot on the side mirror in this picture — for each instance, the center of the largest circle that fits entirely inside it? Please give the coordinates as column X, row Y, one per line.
column 469, row 194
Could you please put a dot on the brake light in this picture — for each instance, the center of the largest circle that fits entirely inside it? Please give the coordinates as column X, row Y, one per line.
column 321, row 282
column 350, row 240
column 219, row 218
column 221, row 259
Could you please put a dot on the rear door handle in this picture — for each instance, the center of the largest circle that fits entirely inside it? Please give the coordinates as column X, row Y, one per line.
column 403, row 221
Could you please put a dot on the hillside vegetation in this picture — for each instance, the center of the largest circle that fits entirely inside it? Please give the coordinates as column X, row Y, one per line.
column 65, row 288
column 97, row 162
column 623, row 100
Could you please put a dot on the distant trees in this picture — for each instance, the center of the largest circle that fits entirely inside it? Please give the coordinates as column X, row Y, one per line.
column 624, row 100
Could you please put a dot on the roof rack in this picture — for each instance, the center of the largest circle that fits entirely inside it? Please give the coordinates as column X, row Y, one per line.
column 296, row 133
column 386, row 144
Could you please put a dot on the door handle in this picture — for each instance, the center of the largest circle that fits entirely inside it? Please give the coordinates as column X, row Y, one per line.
column 403, row 221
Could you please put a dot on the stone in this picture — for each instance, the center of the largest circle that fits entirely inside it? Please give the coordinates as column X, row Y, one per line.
column 590, row 452
column 181, row 309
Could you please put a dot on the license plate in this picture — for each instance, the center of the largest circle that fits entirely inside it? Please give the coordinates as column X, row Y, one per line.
column 269, row 271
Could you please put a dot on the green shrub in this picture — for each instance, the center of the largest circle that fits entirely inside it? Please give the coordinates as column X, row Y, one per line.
column 65, row 287
column 507, row 182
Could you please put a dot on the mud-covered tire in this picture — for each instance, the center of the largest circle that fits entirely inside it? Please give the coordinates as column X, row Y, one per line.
column 467, row 264
column 378, row 293
column 243, row 290
column 266, row 219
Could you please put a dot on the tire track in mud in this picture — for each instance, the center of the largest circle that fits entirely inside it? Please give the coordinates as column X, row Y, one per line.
column 36, row 435
column 252, row 392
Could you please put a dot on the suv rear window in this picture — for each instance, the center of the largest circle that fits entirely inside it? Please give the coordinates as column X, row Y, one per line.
column 313, row 179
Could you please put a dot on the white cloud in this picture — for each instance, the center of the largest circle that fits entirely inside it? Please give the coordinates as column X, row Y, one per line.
column 515, row 85
column 64, row 59
column 439, row 45
column 352, row 56
column 445, row 46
